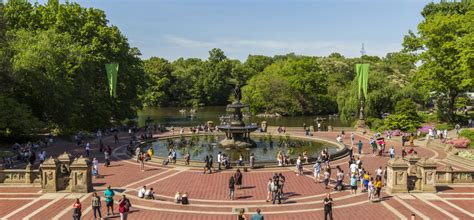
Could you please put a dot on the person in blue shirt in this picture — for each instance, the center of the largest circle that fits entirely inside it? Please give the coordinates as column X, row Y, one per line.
column 109, row 200
column 257, row 216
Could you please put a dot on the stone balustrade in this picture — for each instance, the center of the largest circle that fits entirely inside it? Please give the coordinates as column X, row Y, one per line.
column 449, row 176
column 19, row 176
column 62, row 174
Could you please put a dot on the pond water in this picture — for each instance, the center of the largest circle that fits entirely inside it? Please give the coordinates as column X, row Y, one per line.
column 266, row 150
column 170, row 116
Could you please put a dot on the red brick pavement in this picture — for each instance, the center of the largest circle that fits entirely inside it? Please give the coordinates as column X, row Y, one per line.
column 427, row 210
column 305, row 197
column 54, row 209
column 451, row 209
column 28, row 210
column 8, row 206
column 468, row 205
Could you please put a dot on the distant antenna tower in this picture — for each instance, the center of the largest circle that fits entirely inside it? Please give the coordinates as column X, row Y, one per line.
column 362, row 51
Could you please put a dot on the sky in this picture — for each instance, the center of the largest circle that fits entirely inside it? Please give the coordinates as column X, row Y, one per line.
column 190, row 28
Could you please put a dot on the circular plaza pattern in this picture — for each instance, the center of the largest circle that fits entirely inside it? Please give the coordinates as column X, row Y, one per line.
column 208, row 193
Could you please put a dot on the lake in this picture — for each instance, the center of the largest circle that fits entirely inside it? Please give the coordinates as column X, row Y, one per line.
column 170, row 116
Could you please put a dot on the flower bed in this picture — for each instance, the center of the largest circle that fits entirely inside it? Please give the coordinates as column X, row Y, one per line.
column 460, row 142
column 466, row 154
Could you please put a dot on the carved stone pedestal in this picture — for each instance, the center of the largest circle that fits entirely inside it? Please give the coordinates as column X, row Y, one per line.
column 81, row 175
column 397, row 175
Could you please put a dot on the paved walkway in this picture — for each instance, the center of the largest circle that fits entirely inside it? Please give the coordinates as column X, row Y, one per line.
column 208, row 192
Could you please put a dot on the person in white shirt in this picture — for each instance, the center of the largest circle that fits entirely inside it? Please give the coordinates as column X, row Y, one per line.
column 379, row 171
column 353, row 167
column 339, row 139
column 141, row 192
column 149, row 194
column 219, row 159
column 391, row 151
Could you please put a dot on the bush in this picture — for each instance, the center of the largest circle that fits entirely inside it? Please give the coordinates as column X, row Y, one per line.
column 460, row 142
column 466, row 154
column 469, row 134
column 428, row 117
column 374, row 123
column 402, row 122
column 444, row 126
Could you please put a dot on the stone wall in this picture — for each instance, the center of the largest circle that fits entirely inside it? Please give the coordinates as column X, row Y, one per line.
column 448, row 176
column 19, row 176
column 62, row 174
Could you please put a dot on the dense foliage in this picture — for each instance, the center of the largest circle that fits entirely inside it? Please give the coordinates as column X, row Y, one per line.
column 52, row 73
column 444, row 45
column 53, row 58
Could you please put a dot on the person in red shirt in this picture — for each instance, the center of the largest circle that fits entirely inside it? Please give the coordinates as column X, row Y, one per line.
column 77, row 207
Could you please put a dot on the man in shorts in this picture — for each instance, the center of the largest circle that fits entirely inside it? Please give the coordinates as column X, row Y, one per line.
column 109, row 200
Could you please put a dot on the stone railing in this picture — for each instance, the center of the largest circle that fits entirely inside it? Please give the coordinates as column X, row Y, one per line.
column 448, row 177
column 18, row 176
column 62, row 174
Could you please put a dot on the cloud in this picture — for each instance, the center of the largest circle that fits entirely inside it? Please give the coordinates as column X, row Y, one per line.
column 240, row 48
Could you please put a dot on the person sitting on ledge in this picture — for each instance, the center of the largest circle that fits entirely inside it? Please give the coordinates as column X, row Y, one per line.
column 149, row 194
column 184, row 199
column 177, row 198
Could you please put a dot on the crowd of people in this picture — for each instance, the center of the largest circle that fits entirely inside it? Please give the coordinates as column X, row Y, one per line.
column 359, row 178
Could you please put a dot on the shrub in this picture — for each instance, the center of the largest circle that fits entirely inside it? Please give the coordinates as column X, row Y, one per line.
column 469, row 134
column 460, row 142
column 428, row 117
column 466, row 154
column 444, row 126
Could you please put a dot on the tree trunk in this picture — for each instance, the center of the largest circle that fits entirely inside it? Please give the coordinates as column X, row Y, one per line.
column 451, row 101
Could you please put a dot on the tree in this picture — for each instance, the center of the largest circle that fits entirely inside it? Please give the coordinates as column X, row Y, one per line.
column 57, row 56
column 405, row 118
column 159, row 80
column 16, row 119
column 442, row 41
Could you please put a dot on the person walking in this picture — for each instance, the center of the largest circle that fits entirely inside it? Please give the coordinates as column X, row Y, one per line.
column 269, row 189
column 95, row 167
column 77, row 210
column 317, row 171
column 242, row 215
column 391, row 152
column 137, row 153
column 124, row 207
column 328, row 202
column 232, row 188
column 299, row 166
column 142, row 162
column 352, row 138
column 327, row 175
column 371, row 189
column 238, row 178
column 96, row 205
column 359, row 147
column 257, row 216
column 207, row 165
column 353, row 184
column 88, row 148
column 276, row 189
column 219, row 160
column 109, row 200
column 378, row 186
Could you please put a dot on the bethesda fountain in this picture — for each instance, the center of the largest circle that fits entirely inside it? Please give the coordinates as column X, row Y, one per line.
column 237, row 134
